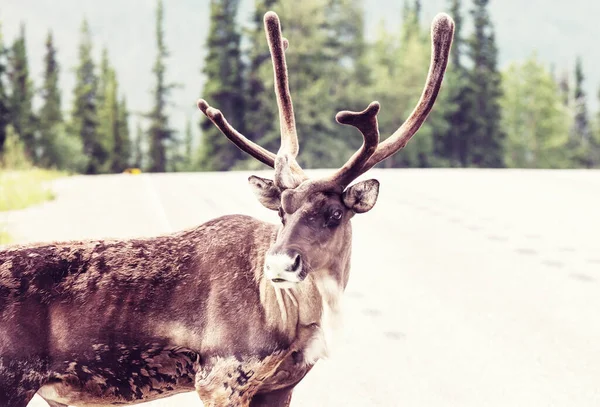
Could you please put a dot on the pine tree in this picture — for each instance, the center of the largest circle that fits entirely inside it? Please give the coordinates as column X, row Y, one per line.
column 121, row 144
column 581, row 132
column 261, row 113
column 348, row 53
column 582, row 127
column 111, row 128
column 107, row 103
column 50, row 115
column 483, row 133
column 316, row 54
column 21, row 95
column 138, row 148
column 4, row 103
column 565, row 88
column 223, row 87
column 84, row 118
column 159, row 132
column 451, row 146
column 188, row 146
column 595, row 141
column 534, row 117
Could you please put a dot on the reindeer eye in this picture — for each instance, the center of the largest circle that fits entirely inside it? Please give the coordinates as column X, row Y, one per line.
column 337, row 214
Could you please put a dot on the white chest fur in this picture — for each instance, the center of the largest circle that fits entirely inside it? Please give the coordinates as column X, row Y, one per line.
column 321, row 344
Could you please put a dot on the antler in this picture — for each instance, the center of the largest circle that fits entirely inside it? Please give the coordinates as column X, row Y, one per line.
column 288, row 173
column 248, row 146
column 442, row 32
column 371, row 151
column 285, row 177
column 366, row 123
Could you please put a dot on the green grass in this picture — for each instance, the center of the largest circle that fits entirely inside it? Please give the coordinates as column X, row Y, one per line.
column 20, row 189
column 4, row 237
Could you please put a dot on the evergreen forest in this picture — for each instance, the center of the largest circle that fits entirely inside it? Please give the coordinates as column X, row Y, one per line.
column 522, row 116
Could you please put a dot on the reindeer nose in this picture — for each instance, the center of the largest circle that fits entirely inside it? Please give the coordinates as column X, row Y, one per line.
column 297, row 263
column 284, row 266
column 286, row 261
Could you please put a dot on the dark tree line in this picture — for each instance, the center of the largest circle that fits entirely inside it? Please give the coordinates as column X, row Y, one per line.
column 94, row 137
column 332, row 67
column 524, row 116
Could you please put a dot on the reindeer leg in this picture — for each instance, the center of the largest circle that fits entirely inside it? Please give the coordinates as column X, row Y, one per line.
column 277, row 398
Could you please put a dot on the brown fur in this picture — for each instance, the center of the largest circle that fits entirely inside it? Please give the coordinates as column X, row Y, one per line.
column 130, row 321
column 65, row 301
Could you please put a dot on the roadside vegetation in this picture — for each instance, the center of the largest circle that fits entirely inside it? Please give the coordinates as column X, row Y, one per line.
column 4, row 236
column 24, row 188
column 21, row 184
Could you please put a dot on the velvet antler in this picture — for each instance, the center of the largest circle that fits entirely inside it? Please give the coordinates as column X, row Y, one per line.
column 442, row 32
column 288, row 172
column 285, row 176
column 256, row 151
column 366, row 123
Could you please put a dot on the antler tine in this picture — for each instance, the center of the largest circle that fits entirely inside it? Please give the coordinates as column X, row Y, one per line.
column 277, row 46
column 442, row 31
column 292, row 173
column 248, row 146
column 366, row 123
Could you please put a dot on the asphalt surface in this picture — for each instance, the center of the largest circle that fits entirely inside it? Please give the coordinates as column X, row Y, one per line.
column 468, row 288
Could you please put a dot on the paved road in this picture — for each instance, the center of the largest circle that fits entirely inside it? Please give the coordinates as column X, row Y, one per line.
column 469, row 288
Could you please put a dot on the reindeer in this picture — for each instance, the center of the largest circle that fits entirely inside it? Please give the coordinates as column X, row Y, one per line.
column 235, row 309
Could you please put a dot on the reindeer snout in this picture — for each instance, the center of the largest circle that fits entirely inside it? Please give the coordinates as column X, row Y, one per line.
column 285, row 266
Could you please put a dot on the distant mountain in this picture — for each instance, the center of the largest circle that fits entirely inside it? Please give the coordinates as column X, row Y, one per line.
column 557, row 30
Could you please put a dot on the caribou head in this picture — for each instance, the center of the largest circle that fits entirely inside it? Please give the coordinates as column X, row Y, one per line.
column 315, row 213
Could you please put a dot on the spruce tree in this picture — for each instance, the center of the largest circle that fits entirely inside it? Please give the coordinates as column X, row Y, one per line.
column 320, row 75
column 223, row 87
column 484, row 133
column 109, row 111
column 107, row 102
column 581, row 124
column 261, row 113
column 595, row 140
column 4, row 103
column 138, row 148
column 21, row 95
column 348, row 52
column 50, row 115
column 121, row 144
column 565, row 88
column 84, row 117
column 582, row 143
column 451, row 146
column 188, row 146
column 159, row 132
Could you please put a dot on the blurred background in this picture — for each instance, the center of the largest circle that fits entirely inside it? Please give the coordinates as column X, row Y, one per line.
column 475, row 283
column 97, row 87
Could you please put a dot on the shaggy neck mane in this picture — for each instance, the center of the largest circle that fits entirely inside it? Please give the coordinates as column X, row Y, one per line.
column 312, row 306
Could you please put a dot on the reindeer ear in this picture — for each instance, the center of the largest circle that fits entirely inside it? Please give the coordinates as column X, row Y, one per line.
column 361, row 197
column 266, row 192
